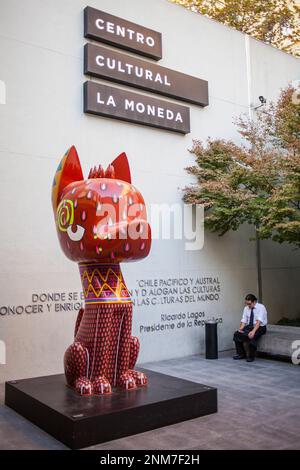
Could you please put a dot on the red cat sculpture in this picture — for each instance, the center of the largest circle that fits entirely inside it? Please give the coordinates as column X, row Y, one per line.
column 100, row 222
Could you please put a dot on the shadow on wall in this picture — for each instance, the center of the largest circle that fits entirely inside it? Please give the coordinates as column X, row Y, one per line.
column 280, row 280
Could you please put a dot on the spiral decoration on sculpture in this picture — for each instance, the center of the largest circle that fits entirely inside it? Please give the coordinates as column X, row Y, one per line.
column 65, row 215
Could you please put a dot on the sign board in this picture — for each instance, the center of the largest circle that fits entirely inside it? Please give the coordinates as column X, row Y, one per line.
column 125, row 105
column 118, row 32
column 112, row 65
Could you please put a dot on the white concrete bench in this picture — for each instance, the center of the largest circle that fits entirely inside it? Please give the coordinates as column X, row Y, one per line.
column 278, row 340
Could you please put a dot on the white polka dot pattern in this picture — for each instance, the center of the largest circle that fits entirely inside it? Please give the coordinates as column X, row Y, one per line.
column 104, row 353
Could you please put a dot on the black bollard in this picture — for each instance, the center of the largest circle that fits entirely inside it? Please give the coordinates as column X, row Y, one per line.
column 211, row 339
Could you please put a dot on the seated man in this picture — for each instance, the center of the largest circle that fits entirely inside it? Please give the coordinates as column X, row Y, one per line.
column 253, row 325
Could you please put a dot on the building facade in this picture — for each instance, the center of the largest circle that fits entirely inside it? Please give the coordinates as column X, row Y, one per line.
column 41, row 113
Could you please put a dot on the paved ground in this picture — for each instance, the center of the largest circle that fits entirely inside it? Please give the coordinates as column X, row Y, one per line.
column 259, row 408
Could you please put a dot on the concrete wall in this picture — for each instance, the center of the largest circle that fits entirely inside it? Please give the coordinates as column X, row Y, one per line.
column 270, row 71
column 41, row 57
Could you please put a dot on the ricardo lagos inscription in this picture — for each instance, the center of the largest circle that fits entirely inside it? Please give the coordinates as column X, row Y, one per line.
column 133, row 107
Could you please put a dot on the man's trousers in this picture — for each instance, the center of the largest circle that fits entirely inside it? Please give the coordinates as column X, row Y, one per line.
column 239, row 339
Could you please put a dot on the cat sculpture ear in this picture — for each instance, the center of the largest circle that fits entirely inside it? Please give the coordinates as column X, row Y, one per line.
column 68, row 171
column 121, row 167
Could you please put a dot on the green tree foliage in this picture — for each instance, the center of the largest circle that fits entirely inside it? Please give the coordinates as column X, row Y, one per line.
column 257, row 182
column 275, row 22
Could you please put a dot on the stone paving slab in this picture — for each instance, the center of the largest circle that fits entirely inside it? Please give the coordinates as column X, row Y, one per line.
column 259, row 408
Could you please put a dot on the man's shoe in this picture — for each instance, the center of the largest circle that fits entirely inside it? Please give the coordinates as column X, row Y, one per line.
column 250, row 359
column 238, row 356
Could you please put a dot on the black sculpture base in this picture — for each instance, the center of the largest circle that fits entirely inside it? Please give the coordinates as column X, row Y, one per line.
column 84, row 421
